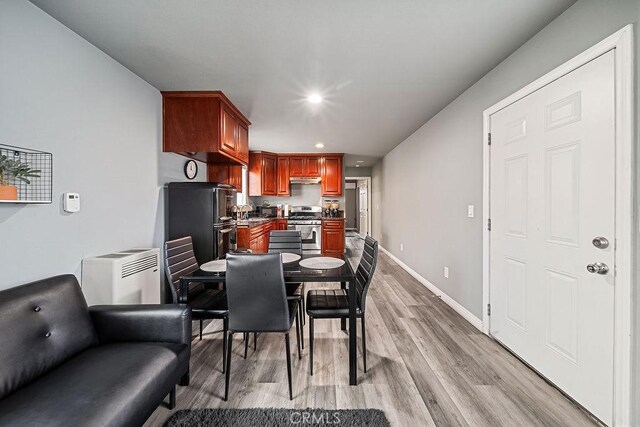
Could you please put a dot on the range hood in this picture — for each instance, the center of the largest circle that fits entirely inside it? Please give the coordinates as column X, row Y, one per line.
column 304, row 180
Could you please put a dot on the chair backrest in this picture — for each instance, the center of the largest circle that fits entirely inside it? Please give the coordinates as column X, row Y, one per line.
column 365, row 270
column 256, row 293
column 285, row 241
column 179, row 260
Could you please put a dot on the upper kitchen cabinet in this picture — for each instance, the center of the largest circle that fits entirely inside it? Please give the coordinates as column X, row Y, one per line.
column 305, row 166
column 226, row 174
column 332, row 175
column 263, row 174
column 284, row 187
column 204, row 126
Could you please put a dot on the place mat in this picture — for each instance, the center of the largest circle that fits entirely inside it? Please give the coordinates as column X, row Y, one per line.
column 215, row 266
column 289, row 257
column 322, row 263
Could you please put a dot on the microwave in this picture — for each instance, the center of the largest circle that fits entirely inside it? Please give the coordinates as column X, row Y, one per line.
column 268, row 211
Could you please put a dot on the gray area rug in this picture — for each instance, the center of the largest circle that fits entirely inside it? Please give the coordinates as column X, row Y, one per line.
column 255, row 417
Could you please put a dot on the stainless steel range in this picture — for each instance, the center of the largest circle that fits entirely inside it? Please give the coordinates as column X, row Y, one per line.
column 307, row 220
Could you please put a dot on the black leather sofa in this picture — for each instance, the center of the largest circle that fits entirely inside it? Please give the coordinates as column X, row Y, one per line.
column 65, row 364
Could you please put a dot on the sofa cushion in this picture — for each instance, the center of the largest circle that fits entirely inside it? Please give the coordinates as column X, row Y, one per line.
column 114, row 384
column 42, row 324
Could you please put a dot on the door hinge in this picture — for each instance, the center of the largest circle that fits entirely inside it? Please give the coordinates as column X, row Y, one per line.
column 488, row 309
column 489, row 224
column 489, row 138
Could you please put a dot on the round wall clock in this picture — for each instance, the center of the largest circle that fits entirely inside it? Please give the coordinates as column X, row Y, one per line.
column 191, row 169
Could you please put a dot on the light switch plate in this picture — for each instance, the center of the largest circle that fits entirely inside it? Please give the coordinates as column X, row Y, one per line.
column 470, row 211
column 446, row 272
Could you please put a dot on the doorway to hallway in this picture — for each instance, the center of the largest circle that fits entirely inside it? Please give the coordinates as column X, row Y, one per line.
column 358, row 205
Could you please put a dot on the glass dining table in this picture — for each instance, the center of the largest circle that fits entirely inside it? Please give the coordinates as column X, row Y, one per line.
column 294, row 272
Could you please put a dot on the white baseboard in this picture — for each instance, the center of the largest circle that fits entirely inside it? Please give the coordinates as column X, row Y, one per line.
column 466, row 314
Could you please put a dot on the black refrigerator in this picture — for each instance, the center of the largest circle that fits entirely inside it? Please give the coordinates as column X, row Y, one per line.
column 204, row 211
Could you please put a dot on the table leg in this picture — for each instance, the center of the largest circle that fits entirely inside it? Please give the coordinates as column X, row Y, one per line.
column 353, row 351
column 343, row 322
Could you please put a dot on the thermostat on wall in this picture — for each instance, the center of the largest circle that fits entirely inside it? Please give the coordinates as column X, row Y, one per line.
column 71, row 202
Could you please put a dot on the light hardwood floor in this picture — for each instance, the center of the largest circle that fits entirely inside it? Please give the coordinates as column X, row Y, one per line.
column 426, row 366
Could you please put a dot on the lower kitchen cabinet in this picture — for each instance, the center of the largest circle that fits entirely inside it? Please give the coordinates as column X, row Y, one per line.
column 281, row 224
column 256, row 238
column 333, row 237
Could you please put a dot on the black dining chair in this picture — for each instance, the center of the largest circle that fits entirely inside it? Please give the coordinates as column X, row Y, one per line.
column 205, row 303
column 258, row 303
column 290, row 241
column 334, row 303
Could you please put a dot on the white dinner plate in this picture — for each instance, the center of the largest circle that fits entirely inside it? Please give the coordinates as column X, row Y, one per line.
column 215, row 266
column 322, row 263
column 289, row 257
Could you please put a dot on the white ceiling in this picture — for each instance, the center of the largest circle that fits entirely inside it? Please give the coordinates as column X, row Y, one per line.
column 384, row 67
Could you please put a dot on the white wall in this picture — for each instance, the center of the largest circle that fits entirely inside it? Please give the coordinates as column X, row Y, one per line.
column 438, row 169
column 102, row 123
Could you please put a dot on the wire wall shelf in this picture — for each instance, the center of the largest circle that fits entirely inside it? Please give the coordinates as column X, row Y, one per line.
column 27, row 175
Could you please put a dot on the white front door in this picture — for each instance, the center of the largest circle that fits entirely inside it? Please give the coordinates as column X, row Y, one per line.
column 551, row 193
column 363, row 192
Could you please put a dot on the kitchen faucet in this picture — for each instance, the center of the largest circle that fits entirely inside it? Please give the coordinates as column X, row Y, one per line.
column 240, row 209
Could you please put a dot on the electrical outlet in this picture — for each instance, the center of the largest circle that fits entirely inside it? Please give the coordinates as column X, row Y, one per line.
column 446, row 272
column 401, row 247
column 470, row 211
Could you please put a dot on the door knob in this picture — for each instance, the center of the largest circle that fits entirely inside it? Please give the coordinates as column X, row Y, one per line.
column 598, row 267
column 600, row 242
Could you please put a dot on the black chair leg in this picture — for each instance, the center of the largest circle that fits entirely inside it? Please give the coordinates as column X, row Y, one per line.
column 184, row 380
column 225, row 330
column 172, row 398
column 298, row 336
column 255, row 341
column 246, row 344
column 228, row 370
column 364, row 344
column 286, row 340
column 302, row 311
column 302, row 321
column 310, row 345
column 200, row 329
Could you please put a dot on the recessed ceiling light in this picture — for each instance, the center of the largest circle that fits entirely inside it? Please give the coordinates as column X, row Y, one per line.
column 359, row 161
column 357, row 166
column 319, row 145
column 314, row 98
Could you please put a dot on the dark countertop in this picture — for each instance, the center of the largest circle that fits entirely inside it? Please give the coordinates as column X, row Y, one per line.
column 256, row 222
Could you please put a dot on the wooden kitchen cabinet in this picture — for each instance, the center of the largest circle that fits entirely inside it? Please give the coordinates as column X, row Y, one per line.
column 332, row 176
column 301, row 166
column 256, row 238
column 333, row 237
column 314, row 166
column 263, row 170
column 281, row 224
column 284, row 187
column 204, row 125
column 243, row 143
column 226, row 174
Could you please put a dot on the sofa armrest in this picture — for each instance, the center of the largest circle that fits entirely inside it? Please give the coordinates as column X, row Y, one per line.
column 147, row 322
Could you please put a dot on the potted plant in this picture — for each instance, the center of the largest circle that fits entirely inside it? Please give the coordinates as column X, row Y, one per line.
column 12, row 171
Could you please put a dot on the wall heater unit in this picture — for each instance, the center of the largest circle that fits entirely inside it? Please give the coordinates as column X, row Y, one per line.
column 128, row 277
